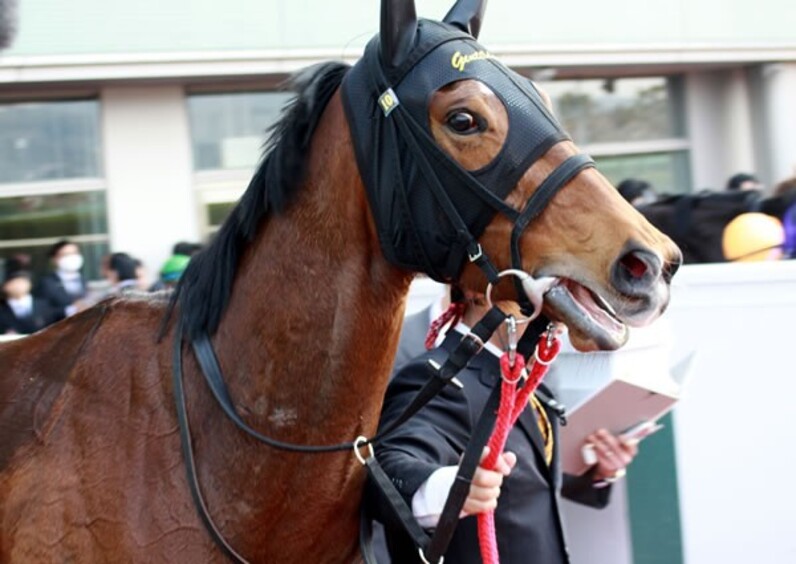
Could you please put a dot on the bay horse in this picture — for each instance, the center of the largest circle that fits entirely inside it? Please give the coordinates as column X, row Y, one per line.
column 302, row 293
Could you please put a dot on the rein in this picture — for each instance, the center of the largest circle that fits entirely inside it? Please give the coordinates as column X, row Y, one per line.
column 513, row 402
column 470, row 345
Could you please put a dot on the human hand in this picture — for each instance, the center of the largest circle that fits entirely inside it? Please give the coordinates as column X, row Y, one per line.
column 485, row 487
column 612, row 453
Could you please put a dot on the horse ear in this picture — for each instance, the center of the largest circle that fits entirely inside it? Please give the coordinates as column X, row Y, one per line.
column 467, row 16
column 398, row 27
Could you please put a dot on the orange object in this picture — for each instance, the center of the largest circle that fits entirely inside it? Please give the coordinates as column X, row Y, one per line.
column 752, row 237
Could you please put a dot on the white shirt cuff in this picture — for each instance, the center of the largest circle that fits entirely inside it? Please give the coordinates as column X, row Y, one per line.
column 429, row 499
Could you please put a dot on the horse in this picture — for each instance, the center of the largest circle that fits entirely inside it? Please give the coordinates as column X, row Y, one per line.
column 696, row 222
column 301, row 294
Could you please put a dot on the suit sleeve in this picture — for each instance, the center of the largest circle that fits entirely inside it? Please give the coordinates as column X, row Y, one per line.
column 580, row 489
column 49, row 290
column 434, row 437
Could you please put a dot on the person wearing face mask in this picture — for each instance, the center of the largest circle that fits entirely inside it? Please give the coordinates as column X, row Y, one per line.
column 20, row 312
column 64, row 288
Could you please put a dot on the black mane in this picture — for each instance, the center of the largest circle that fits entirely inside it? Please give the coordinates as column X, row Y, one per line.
column 204, row 288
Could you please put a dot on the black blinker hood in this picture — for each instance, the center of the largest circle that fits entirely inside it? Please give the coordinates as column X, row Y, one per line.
column 430, row 211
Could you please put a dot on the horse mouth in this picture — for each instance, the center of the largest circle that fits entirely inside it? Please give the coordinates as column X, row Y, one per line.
column 592, row 322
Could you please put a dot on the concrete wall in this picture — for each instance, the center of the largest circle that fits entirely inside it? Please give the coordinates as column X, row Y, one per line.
column 734, row 430
column 719, row 118
column 50, row 27
column 778, row 88
column 148, row 167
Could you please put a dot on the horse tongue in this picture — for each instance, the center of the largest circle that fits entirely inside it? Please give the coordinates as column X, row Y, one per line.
column 590, row 326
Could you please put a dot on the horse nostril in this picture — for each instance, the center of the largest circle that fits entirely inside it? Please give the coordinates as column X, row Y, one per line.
column 636, row 272
column 634, row 266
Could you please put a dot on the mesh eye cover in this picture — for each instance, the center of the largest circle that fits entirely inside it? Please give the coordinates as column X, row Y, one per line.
column 426, row 206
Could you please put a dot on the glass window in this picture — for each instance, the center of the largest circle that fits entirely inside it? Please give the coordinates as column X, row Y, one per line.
column 228, row 130
column 30, row 224
column 633, row 127
column 49, row 140
column 668, row 172
column 617, row 110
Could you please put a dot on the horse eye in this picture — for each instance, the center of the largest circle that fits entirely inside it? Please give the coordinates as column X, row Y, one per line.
column 465, row 123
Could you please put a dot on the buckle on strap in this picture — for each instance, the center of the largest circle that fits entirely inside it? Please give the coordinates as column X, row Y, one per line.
column 423, row 558
column 474, row 343
column 475, row 253
column 454, row 381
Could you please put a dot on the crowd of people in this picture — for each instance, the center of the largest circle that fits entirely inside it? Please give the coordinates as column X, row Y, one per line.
column 31, row 301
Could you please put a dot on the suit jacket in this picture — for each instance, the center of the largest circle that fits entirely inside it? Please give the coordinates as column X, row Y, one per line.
column 51, row 289
column 42, row 315
column 527, row 518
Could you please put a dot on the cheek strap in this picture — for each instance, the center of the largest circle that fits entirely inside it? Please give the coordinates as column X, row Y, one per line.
column 555, row 181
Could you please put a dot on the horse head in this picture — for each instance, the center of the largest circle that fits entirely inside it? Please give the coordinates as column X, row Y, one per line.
column 468, row 173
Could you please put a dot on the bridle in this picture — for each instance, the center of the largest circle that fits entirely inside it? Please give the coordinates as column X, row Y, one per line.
column 412, row 183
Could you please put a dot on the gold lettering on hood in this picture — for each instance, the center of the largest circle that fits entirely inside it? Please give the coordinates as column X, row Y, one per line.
column 459, row 61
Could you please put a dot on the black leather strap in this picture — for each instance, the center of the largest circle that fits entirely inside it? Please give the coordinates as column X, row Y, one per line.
column 188, row 456
column 211, row 370
column 554, row 182
column 435, row 547
column 468, row 347
column 398, row 508
column 461, row 486
column 472, row 343
column 472, row 456
column 206, row 356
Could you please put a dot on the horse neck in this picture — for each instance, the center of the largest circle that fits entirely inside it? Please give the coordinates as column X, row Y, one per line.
column 308, row 339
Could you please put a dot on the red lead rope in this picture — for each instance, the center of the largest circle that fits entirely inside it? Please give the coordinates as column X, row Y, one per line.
column 451, row 315
column 512, row 402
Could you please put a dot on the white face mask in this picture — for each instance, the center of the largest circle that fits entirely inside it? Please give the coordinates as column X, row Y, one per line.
column 70, row 263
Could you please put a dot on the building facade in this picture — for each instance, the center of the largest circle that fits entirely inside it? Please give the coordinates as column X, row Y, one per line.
column 128, row 126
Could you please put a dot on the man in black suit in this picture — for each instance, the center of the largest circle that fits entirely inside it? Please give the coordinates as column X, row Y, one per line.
column 20, row 312
column 421, row 458
column 64, row 287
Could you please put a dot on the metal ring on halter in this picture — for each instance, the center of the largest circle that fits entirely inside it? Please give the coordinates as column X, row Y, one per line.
column 534, row 288
column 357, row 442
column 423, row 557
